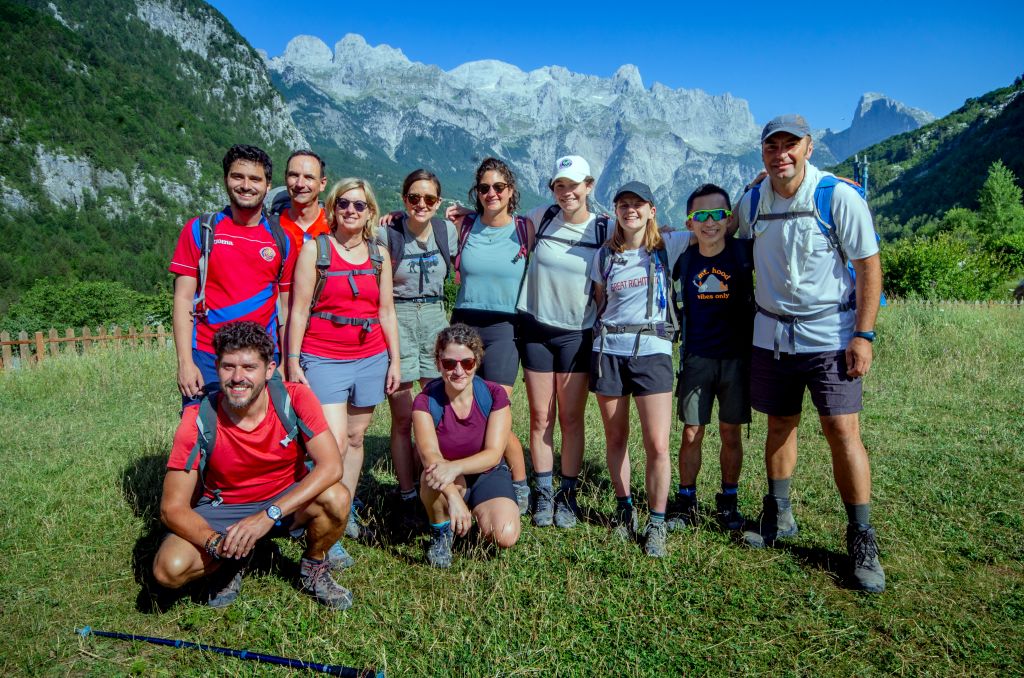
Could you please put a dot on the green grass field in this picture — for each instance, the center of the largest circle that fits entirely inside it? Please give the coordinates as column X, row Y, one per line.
column 85, row 439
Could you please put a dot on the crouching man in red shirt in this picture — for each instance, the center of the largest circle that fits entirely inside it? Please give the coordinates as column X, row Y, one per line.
column 237, row 474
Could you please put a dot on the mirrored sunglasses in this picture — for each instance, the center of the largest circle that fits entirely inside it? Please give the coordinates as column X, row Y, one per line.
column 343, row 204
column 700, row 216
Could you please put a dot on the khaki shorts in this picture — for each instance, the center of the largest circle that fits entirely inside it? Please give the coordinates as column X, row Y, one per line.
column 701, row 380
column 418, row 325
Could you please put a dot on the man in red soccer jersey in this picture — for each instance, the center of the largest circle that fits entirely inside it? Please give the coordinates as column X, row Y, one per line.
column 245, row 482
column 305, row 179
column 250, row 265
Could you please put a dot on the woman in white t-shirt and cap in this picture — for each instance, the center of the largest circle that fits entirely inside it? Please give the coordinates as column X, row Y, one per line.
column 632, row 354
column 557, row 313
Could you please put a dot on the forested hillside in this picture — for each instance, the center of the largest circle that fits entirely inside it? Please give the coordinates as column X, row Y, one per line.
column 917, row 176
column 114, row 119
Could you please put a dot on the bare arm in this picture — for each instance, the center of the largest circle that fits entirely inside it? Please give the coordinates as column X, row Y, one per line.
column 859, row 352
column 176, row 510
column 441, row 473
column 389, row 324
column 303, row 283
column 190, row 379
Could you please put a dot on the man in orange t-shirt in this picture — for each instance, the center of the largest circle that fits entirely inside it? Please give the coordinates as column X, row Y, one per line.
column 305, row 180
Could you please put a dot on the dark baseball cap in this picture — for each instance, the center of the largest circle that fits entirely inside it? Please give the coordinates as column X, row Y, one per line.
column 791, row 122
column 639, row 188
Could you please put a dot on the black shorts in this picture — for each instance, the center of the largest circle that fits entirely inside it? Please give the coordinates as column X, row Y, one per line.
column 777, row 386
column 501, row 353
column 552, row 349
column 623, row 375
column 221, row 516
column 481, row 487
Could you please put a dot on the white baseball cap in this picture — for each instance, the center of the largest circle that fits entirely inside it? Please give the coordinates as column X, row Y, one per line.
column 571, row 167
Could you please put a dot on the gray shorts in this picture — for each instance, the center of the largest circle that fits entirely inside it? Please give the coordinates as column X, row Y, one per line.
column 222, row 516
column 418, row 325
column 701, row 380
column 358, row 382
column 777, row 386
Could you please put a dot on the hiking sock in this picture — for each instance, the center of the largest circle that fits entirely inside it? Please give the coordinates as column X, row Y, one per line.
column 858, row 514
column 542, row 481
column 441, row 528
column 779, row 489
column 730, row 489
column 569, row 483
column 624, row 503
column 408, row 495
column 522, row 483
column 687, row 493
column 657, row 518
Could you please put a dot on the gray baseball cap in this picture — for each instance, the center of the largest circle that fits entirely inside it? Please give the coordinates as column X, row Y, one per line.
column 639, row 188
column 791, row 122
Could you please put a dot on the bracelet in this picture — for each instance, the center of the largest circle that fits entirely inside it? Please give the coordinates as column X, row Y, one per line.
column 294, row 355
column 212, row 542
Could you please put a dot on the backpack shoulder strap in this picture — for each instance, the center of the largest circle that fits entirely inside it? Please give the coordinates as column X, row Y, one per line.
column 323, row 262
column 755, row 200
column 601, row 224
column 206, row 238
column 281, row 239
column 396, row 241
column 206, row 435
column 464, row 230
column 523, row 234
column 823, row 213
column 282, row 402
column 375, row 257
column 482, row 396
column 434, row 390
column 545, row 221
column 440, row 229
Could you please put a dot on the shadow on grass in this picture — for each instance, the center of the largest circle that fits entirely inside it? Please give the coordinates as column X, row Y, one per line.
column 141, row 485
column 836, row 565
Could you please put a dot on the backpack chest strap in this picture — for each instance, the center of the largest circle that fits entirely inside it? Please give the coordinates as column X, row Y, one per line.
column 349, row 275
column 365, row 323
column 786, row 324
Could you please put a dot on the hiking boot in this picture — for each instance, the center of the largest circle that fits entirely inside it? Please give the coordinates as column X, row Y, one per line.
column 543, row 509
column 566, row 509
column 410, row 515
column 316, row 580
column 226, row 583
column 523, row 498
column 439, row 550
column 655, row 535
column 682, row 513
column 728, row 516
column 625, row 524
column 863, row 549
column 775, row 522
column 339, row 558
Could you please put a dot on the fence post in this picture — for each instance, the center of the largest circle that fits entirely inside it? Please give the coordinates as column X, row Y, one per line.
column 86, row 339
column 161, row 336
column 69, row 345
column 40, row 347
column 6, row 350
column 117, row 336
column 101, row 336
column 132, row 336
column 54, row 346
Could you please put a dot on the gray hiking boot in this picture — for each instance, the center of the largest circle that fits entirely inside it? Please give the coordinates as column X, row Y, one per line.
column 339, row 558
column 682, row 513
column 775, row 522
column 226, row 583
column 566, row 509
column 862, row 546
column 543, row 508
column 625, row 524
column 655, row 535
column 522, row 498
column 439, row 550
column 315, row 579
column 728, row 516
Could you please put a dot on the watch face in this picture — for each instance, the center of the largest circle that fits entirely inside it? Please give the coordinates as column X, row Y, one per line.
column 274, row 513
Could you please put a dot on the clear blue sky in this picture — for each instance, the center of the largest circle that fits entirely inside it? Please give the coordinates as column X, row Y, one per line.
column 817, row 59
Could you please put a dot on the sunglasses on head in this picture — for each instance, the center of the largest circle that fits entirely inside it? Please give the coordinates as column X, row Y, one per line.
column 449, row 363
column 484, row 189
column 343, row 204
column 414, row 199
column 700, row 216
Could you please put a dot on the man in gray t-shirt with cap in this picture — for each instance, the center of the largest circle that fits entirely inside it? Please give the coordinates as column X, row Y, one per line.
column 813, row 330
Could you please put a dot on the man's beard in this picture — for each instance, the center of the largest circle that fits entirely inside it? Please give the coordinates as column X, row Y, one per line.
column 238, row 405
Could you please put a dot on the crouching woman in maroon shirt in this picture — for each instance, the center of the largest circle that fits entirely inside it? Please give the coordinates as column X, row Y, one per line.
column 462, row 424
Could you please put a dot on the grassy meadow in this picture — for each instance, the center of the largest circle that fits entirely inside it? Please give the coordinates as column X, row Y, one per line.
column 84, row 440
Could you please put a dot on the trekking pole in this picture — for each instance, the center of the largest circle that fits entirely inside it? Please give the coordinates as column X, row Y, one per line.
column 332, row 669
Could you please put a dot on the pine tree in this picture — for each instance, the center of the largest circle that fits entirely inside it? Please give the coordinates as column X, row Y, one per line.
column 1000, row 209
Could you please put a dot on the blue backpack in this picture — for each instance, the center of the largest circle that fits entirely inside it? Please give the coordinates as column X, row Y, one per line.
column 822, row 215
column 435, row 393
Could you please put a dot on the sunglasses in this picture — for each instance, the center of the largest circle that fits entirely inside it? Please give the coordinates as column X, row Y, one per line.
column 449, row 364
column 343, row 204
column 414, row 199
column 700, row 216
column 484, row 189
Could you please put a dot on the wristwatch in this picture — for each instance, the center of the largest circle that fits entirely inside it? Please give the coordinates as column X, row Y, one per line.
column 869, row 335
column 274, row 513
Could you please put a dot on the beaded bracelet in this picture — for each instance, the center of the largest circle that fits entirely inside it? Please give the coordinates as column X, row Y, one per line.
column 212, row 542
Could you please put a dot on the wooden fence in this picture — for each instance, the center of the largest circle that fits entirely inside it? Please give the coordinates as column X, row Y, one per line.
column 26, row 350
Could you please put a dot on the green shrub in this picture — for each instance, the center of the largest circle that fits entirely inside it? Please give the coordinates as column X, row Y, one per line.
column 946, row 266
column 52, row 302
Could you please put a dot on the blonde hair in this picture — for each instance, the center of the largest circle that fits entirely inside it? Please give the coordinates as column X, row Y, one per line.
column 652, row 236
column 344, row 186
